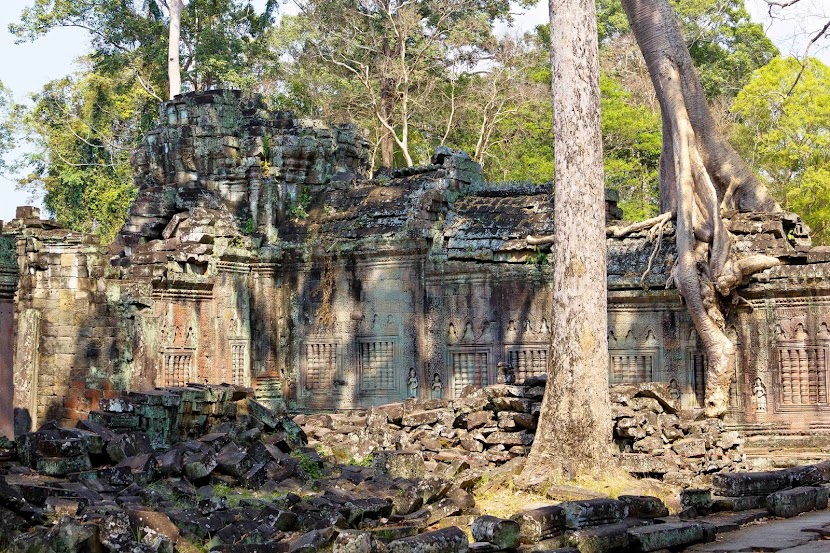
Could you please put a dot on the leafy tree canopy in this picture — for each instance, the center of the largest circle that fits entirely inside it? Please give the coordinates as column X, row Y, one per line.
column 784, row 131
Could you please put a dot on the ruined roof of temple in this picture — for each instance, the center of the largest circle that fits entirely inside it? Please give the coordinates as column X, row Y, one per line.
column 213, row 149
column 223, row 176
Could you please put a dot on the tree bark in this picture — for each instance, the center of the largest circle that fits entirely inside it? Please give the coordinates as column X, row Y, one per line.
column 174, row 75
column 574, row 433
column 700, row 175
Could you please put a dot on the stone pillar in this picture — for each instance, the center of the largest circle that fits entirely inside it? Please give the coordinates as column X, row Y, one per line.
column 8, row 286
column 26, row 364
column 6, row 366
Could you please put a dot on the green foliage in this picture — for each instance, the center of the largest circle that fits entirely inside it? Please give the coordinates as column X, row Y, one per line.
column 308, row 466
column 7, row 125
column 223, row 42
column 299, row 208
column 538, row 258
column 785, row 133
column 631, row 139
column 82, row 130
column 250, row 226
column 386, row 66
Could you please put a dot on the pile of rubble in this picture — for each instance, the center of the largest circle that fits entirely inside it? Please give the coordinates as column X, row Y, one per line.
column 493, row 425
column 226, row 474
column 207, row 468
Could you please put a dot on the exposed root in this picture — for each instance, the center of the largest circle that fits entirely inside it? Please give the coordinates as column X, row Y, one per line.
column 539, row 240
column 655, row 234
column 616, row 231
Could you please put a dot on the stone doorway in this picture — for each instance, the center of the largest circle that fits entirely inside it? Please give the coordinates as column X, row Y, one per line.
column 6, row 368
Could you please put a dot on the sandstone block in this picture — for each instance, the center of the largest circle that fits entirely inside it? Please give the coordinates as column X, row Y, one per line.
column 504, row 534
column 644, row 506
column 446, row 540
column 751, row 483
column 353, row 541
column 403, row 464
column 789, row 503
column 540, row 524
column 601, row 539
column 665, row 536
column 593, row 512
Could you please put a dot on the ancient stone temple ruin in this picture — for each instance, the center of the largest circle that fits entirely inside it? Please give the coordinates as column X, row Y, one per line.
column 260, row 252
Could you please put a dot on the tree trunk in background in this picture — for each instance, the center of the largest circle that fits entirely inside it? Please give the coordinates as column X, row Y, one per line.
column 574, row 433
column 174, row 75
column 387, row 141
column 700, row 175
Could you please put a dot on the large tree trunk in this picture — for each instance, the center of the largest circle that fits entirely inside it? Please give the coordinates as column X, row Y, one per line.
column 174, row 75
column 700, row 175
column 574, row 432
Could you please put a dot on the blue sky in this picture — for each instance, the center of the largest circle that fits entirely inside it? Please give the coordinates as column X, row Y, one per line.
column 27, row 67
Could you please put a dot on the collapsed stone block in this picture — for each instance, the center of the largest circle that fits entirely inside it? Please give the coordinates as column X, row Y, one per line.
column 504, row 534
column 353, row 541
column 601, row 539
column 399, row 464
column 751, row 483
column 593, row 512
column 540, row 524
column 446, row 540
column 665, row 536
column 789, row 503
column 644, row 506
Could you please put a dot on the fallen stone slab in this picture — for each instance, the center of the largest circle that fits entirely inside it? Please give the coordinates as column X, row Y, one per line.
column 665, row 536
column 789, row 503
column 735, row 504
column 311, row 542
column 601, row 539
column 739, row 484
column 644, row 506
column 399, row 464
column 698, row 499
column 353, row 541
column 446, row 540
column 593, row 512
column 500, row 532
column 540, row 524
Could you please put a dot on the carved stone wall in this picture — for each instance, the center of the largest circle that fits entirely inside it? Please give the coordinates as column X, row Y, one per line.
column 8, row 287
column 259, row 252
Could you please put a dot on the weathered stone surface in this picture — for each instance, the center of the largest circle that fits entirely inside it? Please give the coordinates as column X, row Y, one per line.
column 601, row 539
column 352, row 541
column 743, row 503
column 665, row 536
column 643, row 506
column 593, row 512
column 754, row 483
column 405, row 464
column 446, row 540
column 540, row 524
column 504, row 534
column 789, row 503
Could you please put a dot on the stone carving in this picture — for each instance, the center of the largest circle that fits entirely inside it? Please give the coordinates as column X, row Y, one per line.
column 506, row 373
column 674, row 389
column 759, row 392
column 412, row 384
column 452, row 335
column 469, row 334
column 437, row 389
